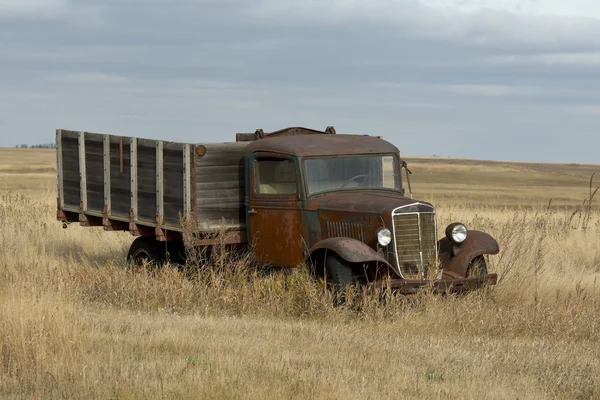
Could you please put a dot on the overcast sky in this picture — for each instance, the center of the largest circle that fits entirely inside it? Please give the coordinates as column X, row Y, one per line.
column 491, row 79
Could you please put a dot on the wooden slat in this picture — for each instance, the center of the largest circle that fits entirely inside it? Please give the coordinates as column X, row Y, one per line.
column 94, row 172
column 187, row 181
column 134, row 173
column 106, row 158
column 59, row 169
column 160, row 207
column 82, row 172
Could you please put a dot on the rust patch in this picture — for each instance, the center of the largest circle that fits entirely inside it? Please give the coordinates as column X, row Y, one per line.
column 455, row 259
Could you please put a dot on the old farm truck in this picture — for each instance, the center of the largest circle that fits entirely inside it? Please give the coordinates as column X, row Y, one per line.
column 294, row 197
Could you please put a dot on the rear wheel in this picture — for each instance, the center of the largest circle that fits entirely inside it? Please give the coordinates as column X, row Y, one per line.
column 146, row 250
column 477, row 267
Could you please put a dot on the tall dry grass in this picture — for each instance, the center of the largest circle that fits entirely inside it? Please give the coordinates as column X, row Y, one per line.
column 76, row 323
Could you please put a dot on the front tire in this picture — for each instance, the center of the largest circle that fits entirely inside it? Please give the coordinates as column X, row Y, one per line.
column 146, row 250
column 341, row 275
column 477, row 267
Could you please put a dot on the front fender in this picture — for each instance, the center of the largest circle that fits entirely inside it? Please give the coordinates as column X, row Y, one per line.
column 455, row 258
column 351, row 250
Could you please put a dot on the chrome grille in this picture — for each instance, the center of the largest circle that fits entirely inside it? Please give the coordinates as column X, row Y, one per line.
column 345, row 229
column 416, row 241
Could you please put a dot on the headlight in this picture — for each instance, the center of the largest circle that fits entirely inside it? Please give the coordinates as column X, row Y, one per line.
column 384, row 237
column 456, row 232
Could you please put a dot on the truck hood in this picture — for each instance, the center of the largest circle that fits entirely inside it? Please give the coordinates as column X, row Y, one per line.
column 360, row 202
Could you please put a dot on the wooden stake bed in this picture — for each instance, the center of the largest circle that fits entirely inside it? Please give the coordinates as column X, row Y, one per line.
column 149, row 187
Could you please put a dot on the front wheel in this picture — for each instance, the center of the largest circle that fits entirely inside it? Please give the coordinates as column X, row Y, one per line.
column 477, row 267
column 341, row 274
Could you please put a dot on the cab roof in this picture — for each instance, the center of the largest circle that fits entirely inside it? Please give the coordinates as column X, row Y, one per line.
column 323, row 145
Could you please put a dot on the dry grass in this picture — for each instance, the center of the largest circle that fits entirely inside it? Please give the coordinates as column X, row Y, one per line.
column 75, row 323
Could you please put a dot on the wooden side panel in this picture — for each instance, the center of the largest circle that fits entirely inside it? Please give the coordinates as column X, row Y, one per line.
column 70, row 172
column 120, row 176
column 220, row 185
column 173, row 165
column 94, row 169
column 146, row 180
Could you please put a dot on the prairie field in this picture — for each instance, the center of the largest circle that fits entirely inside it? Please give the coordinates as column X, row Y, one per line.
column 75, row 322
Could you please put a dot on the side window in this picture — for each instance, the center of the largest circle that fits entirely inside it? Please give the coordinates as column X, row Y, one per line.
column 275, row 176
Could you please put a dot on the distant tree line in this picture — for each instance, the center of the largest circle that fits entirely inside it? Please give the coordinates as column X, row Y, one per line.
column 36, row 146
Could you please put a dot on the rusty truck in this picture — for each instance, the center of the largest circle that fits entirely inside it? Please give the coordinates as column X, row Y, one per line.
column 340, row 204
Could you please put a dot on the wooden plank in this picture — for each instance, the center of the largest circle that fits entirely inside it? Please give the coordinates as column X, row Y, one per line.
column 94, row 172
column 70, row 170
column 120, row 179
column 82, row 172
column 160, row 207
column 59, row 169
column 133, row 166
column 173, row 182
column 106, row 158
column 187, row 181
column 146, row 180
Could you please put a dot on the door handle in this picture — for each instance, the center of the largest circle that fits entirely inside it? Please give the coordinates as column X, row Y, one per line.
column 252, row 212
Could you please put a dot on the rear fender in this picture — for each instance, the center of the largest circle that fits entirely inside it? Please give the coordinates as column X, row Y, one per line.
column 351, row 250
column 455, row 258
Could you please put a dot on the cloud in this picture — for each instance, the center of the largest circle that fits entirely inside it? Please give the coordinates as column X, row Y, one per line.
column 483, row 25
column 32, row 8
column 567, row 59
column 457, row 77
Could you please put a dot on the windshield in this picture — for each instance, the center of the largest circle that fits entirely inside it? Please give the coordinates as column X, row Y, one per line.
column 323, row 174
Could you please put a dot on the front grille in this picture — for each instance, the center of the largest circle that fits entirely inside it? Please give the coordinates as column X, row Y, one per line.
column 416, row 242
column 345, row 229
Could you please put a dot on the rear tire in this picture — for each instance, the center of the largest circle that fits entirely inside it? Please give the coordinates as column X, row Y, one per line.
column 146, row 250
column 477, row 267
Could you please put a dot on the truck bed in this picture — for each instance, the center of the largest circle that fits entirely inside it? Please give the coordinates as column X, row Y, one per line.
column 149, row 187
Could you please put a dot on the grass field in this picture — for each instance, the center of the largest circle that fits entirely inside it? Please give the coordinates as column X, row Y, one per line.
column 76, row 323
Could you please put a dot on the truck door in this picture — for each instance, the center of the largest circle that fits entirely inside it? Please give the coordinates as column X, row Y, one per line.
column 274, row 210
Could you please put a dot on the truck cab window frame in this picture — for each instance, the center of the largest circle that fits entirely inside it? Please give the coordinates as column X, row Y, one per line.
column 275, row 176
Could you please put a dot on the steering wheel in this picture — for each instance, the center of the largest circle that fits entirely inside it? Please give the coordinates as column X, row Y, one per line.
column 355, row 178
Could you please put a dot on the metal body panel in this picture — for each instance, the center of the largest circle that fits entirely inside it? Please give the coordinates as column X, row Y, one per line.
column 455, row 259
column 323, row 145
column 274, row 222
column 351, row 250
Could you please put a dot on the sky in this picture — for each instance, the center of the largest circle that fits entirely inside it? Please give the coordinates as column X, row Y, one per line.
column 485, row 79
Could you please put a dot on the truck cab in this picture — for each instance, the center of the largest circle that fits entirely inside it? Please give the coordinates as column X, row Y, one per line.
column 338, row 203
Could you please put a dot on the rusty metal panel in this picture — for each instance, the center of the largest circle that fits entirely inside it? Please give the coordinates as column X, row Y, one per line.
column 291, row 131
column 323, row 145
column 345, row 229
column 220, row 185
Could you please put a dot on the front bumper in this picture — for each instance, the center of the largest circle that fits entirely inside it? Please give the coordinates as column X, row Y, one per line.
column 461, row 285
